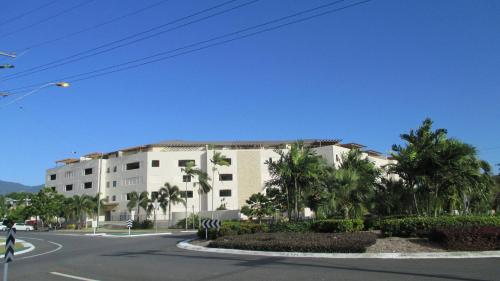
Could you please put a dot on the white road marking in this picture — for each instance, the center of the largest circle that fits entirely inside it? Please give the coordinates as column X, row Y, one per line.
column 72, row 276
column 59, row 247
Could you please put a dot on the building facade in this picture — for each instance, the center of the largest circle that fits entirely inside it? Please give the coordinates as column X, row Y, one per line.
column 147, row 168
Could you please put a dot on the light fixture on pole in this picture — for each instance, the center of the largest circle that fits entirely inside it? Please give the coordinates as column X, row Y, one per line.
column 11, row 55
column 6, row 65
column 58, row 84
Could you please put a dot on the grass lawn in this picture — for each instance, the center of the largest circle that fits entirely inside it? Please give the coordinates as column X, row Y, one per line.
column 17, row 247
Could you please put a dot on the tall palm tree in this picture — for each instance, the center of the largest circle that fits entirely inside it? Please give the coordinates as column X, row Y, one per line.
column 82, row 205
column 217, row 160
column 190, row 173
column 171, row 195
column 139, row 200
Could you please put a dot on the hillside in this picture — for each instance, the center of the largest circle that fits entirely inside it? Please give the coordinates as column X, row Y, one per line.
column 7, row 187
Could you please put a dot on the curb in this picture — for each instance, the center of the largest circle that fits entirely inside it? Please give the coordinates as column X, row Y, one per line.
column 127, row 236
column 437, row 255
column 30, row 247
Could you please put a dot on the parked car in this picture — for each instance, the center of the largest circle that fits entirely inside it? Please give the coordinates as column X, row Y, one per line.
column 3, row 228
column 22, row 226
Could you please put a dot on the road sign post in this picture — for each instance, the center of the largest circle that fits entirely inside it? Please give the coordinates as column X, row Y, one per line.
column 210, row 223
column 129, row 225
column 94, row 225
column 9, row 252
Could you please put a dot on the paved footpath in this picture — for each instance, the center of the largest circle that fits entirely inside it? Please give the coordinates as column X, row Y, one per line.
column 80, row 257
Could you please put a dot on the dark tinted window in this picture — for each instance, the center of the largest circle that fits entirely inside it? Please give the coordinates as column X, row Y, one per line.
column 69, row 187
column 133, row 166
column 53, row 177
column 226, row 177
column 87, row 185
column 228, row 160
column 155, row 163
column 189, row 194
column 183, row 163
column 225, row 193
column 88, row 171
column 186, row 178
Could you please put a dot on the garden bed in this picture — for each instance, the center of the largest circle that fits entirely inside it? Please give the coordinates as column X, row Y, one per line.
column 356, row 242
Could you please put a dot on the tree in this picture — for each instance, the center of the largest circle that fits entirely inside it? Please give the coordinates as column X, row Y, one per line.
column 46, row 204
column 139, row 200
column 443, row 174
column 171, row 195
column 258, row 207
column 296, row 173
column 190, row 172
column 82, row 206
column 217, row 160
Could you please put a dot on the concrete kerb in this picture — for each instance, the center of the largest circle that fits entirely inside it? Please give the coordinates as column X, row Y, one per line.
column 127, row 236
column 186, row 245
column 29, row 247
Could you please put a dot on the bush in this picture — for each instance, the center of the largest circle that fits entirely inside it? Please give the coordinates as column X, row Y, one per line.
column 71, row 226
column 470, row 238
column 329, row 226
column 300, row 226
column 355, row 242
column 422, row 226
column 145, row 224
column 191, row 219
column 233, row 228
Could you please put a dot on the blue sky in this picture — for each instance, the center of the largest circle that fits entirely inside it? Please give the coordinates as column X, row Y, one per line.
column 365, row 74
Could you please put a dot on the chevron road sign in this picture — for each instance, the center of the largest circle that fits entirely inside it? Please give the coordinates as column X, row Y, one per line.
column 9, row 245
column 129, row 225
column 211, row 224
column 9, row 251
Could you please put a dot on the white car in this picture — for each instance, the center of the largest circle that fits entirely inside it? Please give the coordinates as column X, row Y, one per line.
column 3, row 228
column 22, row 226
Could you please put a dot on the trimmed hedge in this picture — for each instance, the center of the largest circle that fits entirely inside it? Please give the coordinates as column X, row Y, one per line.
column 234, row 228
column 470, row 238
column 300, row 226
column 145, row 224
column 355, row 242
column 330, row 226
column 422, row 226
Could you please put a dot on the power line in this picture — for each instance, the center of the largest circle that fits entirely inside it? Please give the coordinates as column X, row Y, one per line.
column 81, row 4
column 96, row 26
column 10, row 20
column 95, row 73
column 74, row 57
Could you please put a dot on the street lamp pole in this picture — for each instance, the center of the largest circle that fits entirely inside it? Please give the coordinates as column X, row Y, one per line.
column 11, row 55
column 58, row 84
column 99, row 178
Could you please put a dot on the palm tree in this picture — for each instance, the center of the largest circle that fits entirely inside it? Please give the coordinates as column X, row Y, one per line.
column 139, row 200
column 218, row 160
column 82, row 205
column 171, row 195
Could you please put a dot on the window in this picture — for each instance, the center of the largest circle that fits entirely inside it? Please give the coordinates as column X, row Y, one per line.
column 225, row 177
column 154, row 194
column 88, row 171
column 128, row 196
column 270, row 160
column 87, row 185
column 107, row 184
column 225, row 193
column 186, row 178
column 133, row 166
column 155, row 163
column 69, row 187
column 132, row 181
column 189, row 194
column 108, row 170
column 114, row 183
column 53, row 177
column 337, row 157
column 183, row 163
column 115, row 169
column 228, row 161
column 113, row 198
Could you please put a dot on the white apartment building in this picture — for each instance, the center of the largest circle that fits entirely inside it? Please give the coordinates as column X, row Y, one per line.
column 149, row 167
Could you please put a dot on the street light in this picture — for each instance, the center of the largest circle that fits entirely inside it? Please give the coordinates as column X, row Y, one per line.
column 58, row 84
column 6, row 66
column 12, row 55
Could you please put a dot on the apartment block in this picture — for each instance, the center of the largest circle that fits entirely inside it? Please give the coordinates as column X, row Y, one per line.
column 148, row 167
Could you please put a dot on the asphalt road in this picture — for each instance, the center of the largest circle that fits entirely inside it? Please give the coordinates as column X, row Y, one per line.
column 63, row 257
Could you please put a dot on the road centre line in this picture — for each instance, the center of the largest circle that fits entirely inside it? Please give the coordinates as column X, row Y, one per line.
column 72, row 276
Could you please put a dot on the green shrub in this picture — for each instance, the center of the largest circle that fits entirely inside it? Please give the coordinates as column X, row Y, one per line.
column 300, row 226
column 234, row 228
column 353, row 242
column 469, row 238
column 346, row 225
column 145, row 224
column 71, row 226
column 422, row 226
column 193, row 218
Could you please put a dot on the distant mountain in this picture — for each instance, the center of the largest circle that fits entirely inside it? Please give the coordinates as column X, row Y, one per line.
column 8, row 187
